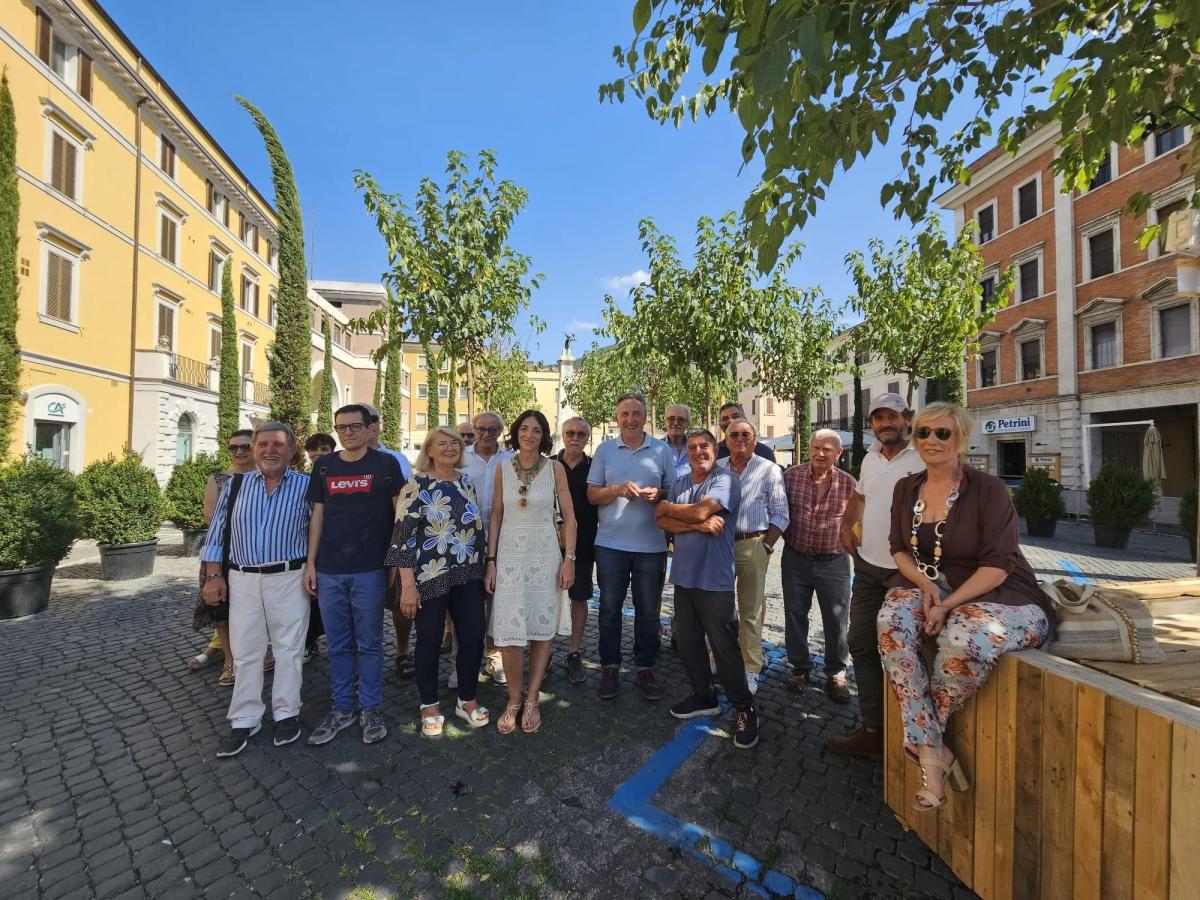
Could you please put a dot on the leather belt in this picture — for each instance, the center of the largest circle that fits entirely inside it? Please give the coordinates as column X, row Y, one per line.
column 746, row 535
column 273, row 569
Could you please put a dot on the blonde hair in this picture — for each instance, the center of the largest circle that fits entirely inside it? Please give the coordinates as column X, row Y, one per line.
column 424, row 462
column 963, row 421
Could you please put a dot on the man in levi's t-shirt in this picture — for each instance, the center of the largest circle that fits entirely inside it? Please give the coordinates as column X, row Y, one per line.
column 353, row 493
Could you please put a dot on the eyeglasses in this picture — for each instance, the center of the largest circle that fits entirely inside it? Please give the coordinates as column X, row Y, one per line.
column 487, row 430
column 575, row 434
column 677, row 420
column 740, row 435
column 239, row 448
column 443, row 446
column 352, row 428
column 942, row 434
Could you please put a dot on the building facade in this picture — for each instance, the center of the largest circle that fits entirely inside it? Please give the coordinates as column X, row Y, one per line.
column 836, row 409
column 1097, row 343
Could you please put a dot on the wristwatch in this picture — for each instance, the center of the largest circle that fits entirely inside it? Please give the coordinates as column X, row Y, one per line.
column 570, row 556
column 770, row 548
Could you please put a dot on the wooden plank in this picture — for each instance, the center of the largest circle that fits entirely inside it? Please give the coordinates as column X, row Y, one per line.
column 1151, row 806
column 1006, row 761
column 1089, row 791
column 983, row 784
column 1027, row 810
column 962, row 741
column 893, row 749
column 1120, row 758
column 1185, row 814
column 1154, row 590
column 1057, row 786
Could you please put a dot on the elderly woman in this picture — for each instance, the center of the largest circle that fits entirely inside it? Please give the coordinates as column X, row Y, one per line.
column 437, row 546
column 962, row 580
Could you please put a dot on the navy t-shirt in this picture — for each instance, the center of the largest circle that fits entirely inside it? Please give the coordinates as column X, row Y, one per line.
column 360, row 510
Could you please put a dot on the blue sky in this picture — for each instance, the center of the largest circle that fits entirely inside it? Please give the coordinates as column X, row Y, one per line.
column 391, row 87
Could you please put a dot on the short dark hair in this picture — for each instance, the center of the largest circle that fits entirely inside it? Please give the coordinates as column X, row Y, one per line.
column 702, row 433
column 731, row 405
column 547, row 443
column 242, row 432
column 319, row 440
column 351, row 408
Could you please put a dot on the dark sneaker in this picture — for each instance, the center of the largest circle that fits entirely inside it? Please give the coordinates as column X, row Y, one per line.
column 575, row 673
column 609, row 681
column 373, row 729
column 837, row 689
column 745, row 729
column 647, row 685
column 695, row 706
column 236, row 742
column 329, row 728
column 286, row 731
column 860, row 742
column 798, row 680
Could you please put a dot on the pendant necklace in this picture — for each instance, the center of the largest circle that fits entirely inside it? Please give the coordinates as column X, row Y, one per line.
column 931, row 570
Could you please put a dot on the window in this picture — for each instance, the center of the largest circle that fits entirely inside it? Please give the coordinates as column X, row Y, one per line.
column 269, row 256
column 168, row 237
column 166, row 156
column 893, row 387
column 214, row 342
column 770, row 406
column 843, row 406
column 1030, row 279
column 462, row 394
column 59, row 56
column 225, row 210
column 987, row 289
column 422, row 361
column 249, row 232
column 1162, row 215
column 183, row 439
column 422, row 420
column 273, row 310
column 216, row 263
column 986, row 220
column 64, row 164
column 241, row 225
column 249, row 300
column 1027, row 201
column 210, row 195
column 1103, row 174
column 1101, row 254
column 1031, row 359
column 866, row 400
column 1175, row 330
column 988, row 374
column 862, row 357
column 166, row 326
column 770, row 431
column 247, row 359
column 443, row 392
column 422, row 391
column 444, row 419
column 1168, row 138
column 1104, row 345
column 59, row 292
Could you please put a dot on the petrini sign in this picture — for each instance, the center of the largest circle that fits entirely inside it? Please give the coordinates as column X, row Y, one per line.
column 1015, row 425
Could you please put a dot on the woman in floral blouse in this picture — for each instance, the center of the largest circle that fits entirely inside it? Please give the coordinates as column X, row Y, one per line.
column 439, row 548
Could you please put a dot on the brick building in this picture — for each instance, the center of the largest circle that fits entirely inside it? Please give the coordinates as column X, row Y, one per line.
column 1097, row 340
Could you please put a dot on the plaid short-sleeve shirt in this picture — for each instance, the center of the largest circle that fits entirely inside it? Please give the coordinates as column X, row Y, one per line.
column 814, row 513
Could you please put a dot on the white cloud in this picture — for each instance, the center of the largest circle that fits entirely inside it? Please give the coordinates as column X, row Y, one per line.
column 625, row 282
column 579, row 325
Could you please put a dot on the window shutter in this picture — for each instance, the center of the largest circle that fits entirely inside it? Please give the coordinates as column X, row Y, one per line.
column 85, row 76
column 58, row 149
column 225, row 212
column 254, row 294
column 69, row 152
column 164, row 326
column 208, row 195
column 58, row 287
column 241, row 225
column 44, row 30
column 167, row 248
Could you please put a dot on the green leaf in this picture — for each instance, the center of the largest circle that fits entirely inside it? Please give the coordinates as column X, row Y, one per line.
column 641, row 15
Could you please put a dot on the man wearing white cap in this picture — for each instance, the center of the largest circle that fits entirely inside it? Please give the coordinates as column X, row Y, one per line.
column 891, row 457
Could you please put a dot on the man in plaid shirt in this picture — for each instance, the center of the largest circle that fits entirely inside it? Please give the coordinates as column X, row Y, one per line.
column 814, row 561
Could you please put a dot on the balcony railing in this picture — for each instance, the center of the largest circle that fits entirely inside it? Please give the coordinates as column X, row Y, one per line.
column 839, row 424
column 188, row 371
column 256, row 392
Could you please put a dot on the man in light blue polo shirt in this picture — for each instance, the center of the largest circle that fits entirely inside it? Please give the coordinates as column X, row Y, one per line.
column 629, row 475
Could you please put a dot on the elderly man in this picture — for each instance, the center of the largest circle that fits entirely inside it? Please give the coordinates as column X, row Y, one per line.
column 730, row 412
column 761, row 518
column 375, row 443
column 700, row 512
column 813, row 560
column 467, row 431
column 890, row 458
column 255, row 556
column 629, row 475
column 576, row 434
column 679, row 419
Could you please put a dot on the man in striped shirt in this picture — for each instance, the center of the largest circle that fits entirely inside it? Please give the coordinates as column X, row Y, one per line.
column 268, row 546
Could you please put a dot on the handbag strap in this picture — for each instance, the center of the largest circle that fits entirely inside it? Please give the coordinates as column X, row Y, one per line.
column 235, row 486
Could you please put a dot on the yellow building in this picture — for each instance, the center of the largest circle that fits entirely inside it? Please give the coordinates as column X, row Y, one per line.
column 129, row 209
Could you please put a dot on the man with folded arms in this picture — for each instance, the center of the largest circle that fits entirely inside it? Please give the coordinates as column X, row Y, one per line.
column 268, row 544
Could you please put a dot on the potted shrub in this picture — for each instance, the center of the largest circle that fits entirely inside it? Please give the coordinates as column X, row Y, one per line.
column 121, row 506
column 1039, row 500
column 185, row 499
column 1187, row 518
column 1119, row 499
column 38, row 524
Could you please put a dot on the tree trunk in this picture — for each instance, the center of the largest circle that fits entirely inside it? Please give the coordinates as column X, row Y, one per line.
column 912, row 380
column 708, row 401
column 451, row 399
column 857, row 449
column 803, row 428
column 432, row 366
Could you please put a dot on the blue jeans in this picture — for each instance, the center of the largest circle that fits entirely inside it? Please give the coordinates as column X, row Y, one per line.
column 352, row 611
column 616, row 571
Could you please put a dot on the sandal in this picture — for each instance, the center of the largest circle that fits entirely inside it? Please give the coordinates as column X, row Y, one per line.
column 405, row 666
column 206, row 657
column 531, row 705
column 226, row 679
column 269, row 661
column 507, row 723
column 954, row 777
column 476, row 718
column 431, row 726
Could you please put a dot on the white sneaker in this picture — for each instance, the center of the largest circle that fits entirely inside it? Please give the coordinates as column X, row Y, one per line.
column 452, row 681
column 752, row 682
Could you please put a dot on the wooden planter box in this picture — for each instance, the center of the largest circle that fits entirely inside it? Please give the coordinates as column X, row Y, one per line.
column 1083, row 785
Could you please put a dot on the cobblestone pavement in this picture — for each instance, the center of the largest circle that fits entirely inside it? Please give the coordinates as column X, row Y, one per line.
column 109, row 786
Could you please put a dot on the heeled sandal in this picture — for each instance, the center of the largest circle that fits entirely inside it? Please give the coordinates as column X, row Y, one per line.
column 476, row 718
column 507, row 723
column 954, row 777
column 524, row 727
column 431, row 726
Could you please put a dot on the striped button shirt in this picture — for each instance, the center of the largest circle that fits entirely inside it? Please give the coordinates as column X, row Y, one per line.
column 267, row 528
column 816, row 509
column 764, row 501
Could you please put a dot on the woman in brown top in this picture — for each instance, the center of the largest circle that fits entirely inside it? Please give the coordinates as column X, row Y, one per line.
column 963, row 580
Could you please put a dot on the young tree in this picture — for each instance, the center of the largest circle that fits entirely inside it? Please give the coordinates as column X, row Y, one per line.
column 433, row 368
column 290, row 354
column 500, row 380
column 392, row 425
column 818, row 84
column 325, row 404
column 923, row 312
column 229, row 378
column 10, row 353
column 946, row 389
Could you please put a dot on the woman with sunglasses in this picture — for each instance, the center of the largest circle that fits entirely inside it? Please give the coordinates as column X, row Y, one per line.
column 961, row 579
column 243, row 462
column 526, row 569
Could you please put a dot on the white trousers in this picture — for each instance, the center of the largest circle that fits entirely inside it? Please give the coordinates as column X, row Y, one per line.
column 266, row 609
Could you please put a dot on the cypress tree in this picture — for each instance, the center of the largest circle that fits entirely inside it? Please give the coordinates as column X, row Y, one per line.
column 10, row 353
column 291, row 385
column 390, row 433
column 325, row 404
column 229, row 384
column 378, row 382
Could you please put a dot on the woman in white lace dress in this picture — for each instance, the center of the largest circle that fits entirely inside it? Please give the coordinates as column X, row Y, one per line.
column 526, row 569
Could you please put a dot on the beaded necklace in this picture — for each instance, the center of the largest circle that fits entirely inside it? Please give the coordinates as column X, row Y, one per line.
column 931, row 570
column 525, row 477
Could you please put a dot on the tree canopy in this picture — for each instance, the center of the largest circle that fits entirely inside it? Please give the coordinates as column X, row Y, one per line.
column 817, row 85
column 499, row 379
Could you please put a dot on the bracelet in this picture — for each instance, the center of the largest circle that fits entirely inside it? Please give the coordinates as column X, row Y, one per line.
column 490, row 559
column 211, row 577
column 570, row 556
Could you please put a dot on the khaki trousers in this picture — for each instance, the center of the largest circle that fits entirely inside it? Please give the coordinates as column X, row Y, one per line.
column 750, row 562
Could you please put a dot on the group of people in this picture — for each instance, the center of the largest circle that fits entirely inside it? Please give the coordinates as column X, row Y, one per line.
column 500, row 544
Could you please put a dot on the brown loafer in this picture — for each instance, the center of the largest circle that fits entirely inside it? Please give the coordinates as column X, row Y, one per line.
column 798, row 681
column 860, row 742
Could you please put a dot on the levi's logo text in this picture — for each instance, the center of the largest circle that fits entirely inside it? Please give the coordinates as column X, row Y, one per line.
column 348, row 484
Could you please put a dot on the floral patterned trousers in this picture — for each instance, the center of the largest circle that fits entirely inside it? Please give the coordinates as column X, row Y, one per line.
column 971, row 643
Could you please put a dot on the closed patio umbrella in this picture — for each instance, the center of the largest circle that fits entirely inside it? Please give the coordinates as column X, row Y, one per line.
column 1153, row 466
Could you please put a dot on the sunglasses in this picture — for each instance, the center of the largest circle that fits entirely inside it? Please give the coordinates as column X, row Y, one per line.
column 467, row 434
column 740, row 436
column 239, row 448
column 575, row 434
column 942, row 434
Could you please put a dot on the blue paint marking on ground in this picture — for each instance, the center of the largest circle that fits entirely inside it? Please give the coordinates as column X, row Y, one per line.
column 1077, row 573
